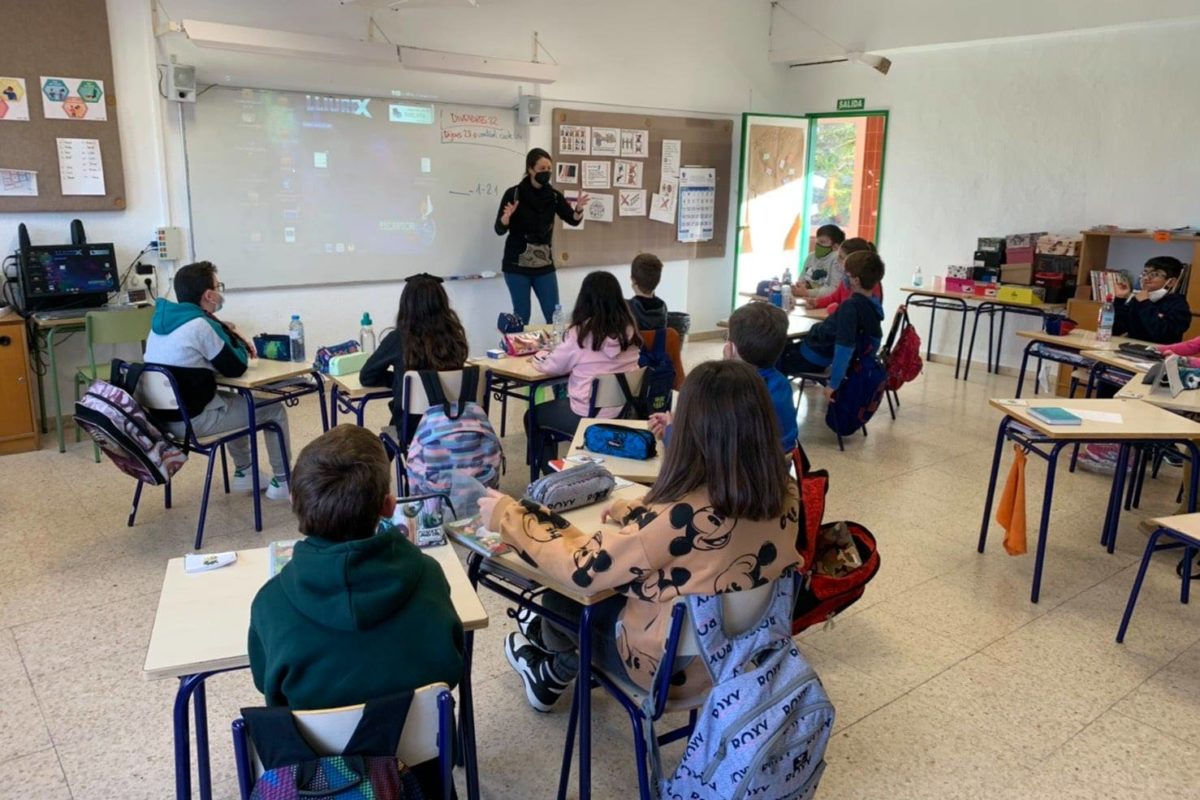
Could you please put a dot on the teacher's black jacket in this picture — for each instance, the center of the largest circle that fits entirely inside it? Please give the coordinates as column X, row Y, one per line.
column 532, row 222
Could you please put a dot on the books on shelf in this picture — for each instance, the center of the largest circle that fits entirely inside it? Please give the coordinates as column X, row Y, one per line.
column 1105, row 282
column 470, row 533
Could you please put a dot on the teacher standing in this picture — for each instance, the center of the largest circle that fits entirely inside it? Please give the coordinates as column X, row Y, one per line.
column 526, row 214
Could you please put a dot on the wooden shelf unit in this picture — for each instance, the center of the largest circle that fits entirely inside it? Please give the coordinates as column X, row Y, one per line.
column 18, row 420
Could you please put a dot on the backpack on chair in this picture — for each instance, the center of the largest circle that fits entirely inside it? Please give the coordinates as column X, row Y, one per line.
column 901, row 355
column 120, row 427
column 655, row 396
column 859, row 396
column 452, row 437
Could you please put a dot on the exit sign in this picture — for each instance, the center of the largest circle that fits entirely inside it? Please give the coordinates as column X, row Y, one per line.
column 852, row 104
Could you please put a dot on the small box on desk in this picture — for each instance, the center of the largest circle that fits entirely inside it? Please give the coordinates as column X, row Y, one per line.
column 1021, row 274
column 962, row 285
column 989, row 290
column 1029, row 295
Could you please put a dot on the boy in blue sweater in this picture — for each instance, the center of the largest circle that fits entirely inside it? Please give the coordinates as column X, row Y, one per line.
column 757, row 335
column 856, row 323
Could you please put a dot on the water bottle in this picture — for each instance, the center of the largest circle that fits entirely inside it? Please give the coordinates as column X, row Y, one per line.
column 366, row 334
column 918, row 280
column 296, row 334
column 1105, row 325
column 559, row 321
column 789, row 299
column 776, row 295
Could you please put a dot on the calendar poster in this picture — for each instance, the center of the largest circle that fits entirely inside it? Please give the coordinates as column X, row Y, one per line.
column 697, row 203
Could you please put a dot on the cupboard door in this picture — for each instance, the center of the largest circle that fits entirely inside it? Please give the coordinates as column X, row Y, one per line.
column 16, row 412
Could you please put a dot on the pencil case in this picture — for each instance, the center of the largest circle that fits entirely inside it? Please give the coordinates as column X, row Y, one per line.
column 572, row 488
column 619, row 441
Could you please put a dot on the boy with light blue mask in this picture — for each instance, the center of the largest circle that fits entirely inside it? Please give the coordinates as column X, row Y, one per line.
column 822, row 272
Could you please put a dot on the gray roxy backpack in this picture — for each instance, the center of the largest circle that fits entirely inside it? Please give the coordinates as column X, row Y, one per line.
column 763, row 729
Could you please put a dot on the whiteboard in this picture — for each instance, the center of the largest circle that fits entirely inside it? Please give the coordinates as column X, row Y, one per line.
column 295, row 188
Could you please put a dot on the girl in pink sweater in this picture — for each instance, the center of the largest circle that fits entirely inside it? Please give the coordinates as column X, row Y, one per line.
column 1189, row 348
column 601, row 340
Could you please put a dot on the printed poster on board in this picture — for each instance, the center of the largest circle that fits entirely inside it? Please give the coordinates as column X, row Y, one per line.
column 73, row 98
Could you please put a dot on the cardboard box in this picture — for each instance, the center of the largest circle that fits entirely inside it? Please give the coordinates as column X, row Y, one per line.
column 1020, row 241
column 1020, row 274
column 963, row 285
column 959, row 272
column 986, row 290
column 988, row 258
column 990, row 244
column 1046, row 262
column 1019, row 255
column 1030, row 295
column 1060, row 244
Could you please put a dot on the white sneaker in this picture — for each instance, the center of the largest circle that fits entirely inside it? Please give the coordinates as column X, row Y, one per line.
column 278, row 490
column 240, row 482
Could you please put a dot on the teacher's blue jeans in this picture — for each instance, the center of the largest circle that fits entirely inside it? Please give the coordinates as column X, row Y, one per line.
column 544, row 286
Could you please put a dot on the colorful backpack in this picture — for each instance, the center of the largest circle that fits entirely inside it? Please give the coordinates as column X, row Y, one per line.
column 767, row 719
column 324, row 354
column 901, row 354
column 655, row 396
column 121, row 428
column 452, row 438
column 366, row 770
column 859, row 396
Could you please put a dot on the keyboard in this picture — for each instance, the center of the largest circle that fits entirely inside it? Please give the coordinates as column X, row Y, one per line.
column 67, row 313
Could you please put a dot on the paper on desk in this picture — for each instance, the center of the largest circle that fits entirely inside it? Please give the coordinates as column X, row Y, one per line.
column 1097, row 416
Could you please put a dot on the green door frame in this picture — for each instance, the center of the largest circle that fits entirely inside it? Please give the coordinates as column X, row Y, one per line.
column 813, row 120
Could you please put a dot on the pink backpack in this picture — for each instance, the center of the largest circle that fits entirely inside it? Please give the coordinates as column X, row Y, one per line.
column 452, row 438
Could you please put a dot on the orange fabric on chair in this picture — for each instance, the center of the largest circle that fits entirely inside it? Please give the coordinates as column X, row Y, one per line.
column 1010, row 513
column 674, row 351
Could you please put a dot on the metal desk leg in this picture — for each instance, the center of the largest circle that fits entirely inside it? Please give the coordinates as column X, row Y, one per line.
column 971, row 346
column 991, row 493
column 1000, row 336
column 1108, row 536
column 1044, row 529
column 334, row 397
column 321, row 400
column 52, row 374
column 252, row 423
column 466, row 720
column 583, row 685
column 929, row 341
column 962, row 332
column 534, row 435
column 1024, row 366
column 1151, row 547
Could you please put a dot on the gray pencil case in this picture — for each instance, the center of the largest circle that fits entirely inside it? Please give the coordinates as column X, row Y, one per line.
column 572, row 488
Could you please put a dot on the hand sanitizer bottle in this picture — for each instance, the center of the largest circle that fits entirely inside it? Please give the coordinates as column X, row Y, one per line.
column 366, row 334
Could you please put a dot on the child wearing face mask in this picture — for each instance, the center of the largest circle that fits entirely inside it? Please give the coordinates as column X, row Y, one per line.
column 823, row 272
column 830, row 302
column 1153, row 313
column 188, row 339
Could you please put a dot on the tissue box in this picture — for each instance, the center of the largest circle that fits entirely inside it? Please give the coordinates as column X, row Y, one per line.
column 1030, row 295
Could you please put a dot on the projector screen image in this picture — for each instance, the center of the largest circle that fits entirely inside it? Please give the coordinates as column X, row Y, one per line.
column 292, row 188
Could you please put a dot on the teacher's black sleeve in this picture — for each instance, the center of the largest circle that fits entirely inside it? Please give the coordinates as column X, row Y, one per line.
column 565, row 211
column 509, row 196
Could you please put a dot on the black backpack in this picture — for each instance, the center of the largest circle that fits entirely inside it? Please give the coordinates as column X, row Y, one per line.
column 655, row 396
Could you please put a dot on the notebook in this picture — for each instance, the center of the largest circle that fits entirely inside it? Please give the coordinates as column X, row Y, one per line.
column 470, row 533
column 1052, row 415
column 279, row 553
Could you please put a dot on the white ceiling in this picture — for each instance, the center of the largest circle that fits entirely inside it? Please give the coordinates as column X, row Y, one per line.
column 886, row 25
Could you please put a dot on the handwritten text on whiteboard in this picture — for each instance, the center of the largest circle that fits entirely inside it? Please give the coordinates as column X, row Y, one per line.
column 483, row 127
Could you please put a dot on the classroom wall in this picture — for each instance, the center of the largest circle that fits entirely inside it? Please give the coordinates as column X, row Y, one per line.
column 688, row 55
column 1057, row 133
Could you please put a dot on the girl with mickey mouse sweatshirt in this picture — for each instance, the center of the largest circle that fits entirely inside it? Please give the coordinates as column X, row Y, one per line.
column 723, row 516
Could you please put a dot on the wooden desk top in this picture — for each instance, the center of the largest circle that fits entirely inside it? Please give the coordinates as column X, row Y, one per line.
column 1114, row 358
column 630, row 469
column 799, row 325
column 1188, row 401
column 1187, row 524
column 964, row 296
column 588, row 520
column 352, row 387
column 520, row 368
column 1075, row 340
column 203, row 619
column 1139, row 419
column 264, row 372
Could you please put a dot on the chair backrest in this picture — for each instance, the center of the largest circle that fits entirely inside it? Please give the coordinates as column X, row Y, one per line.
column 674, row 351
column 156, row 390
column 606, row 389
column 740, row 610
column 127, row 326
column 415, row 401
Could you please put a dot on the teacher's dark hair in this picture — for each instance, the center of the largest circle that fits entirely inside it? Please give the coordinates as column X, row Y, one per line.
column 535, row 155
column 602, row 313
column 430, row 332
column 725, row 442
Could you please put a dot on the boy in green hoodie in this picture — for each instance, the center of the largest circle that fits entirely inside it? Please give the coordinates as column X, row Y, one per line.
column 187, row 337
column 356, row 614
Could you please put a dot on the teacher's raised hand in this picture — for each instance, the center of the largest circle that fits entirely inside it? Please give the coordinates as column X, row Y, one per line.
column 509, row 209
column 581, row 203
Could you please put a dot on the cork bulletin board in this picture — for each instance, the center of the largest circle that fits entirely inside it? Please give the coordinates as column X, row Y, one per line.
column 64, row 39
column 704, row 143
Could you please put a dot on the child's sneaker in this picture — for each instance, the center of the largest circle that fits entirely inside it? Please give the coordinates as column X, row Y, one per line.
column 241, row 482
column 531, row 626
column 543, row 683
column 278, row 490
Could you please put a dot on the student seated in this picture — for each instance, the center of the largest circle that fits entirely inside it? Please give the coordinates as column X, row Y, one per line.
column 832, row 344
column 757, row 335
column 822, row 272
column 649, row 312
column 428, row 336
column 1154, row 313
column 356, row 614
column 602, row 339
column 722, row 517
column 187, row 337
column 842, row 293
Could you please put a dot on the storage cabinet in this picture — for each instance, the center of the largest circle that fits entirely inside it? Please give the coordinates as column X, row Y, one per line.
column 18, row 419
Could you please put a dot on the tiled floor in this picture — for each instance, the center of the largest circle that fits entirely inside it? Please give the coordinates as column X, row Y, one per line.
column 947, row 681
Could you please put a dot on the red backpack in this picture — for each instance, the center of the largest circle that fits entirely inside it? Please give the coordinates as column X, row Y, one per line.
column 901, row 354
column 820, row 597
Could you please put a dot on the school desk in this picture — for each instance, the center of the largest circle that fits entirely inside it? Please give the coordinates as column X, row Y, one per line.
column 520, row 582
column 518, row 378
column 1112, row 366
column 962, row 303
column 799, row 324
column 347, row 394
column 1180, row 530
column 1065, row 349
column 1141, row 424
column 265, row 383
column 1186, row 402
column 200, row 629
column 631, row 469
column 44, row 333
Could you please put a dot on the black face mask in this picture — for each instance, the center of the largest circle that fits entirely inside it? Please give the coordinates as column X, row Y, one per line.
column 542, row 178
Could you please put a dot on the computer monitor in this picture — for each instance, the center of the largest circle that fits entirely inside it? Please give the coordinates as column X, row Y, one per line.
column 62, row 276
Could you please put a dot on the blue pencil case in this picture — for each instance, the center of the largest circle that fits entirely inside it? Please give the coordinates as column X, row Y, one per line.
column 619, row 441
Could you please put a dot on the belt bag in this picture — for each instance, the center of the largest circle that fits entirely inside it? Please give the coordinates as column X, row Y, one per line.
column 535, row 256
column 572, row 488
column 619, row 441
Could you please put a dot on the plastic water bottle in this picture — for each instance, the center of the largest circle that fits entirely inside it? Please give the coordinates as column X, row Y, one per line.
column 1105, row 325
column 776, row 295
column 559, row 320
column 918, row 280
column 789, row 299
column 296, row 334
column 366, row 334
